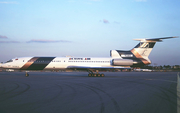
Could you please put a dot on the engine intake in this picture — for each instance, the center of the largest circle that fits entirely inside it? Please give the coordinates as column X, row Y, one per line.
column 122, row 62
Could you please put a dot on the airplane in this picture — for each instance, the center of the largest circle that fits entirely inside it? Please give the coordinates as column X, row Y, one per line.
column 138, row 56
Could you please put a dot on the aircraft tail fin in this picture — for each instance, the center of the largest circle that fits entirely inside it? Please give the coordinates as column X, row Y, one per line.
column 140, row 52
column 144, row 48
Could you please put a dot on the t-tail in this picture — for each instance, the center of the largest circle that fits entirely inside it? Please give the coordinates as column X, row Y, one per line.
column 138, row 56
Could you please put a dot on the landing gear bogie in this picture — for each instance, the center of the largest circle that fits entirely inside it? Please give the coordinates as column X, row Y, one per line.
column 95, row 75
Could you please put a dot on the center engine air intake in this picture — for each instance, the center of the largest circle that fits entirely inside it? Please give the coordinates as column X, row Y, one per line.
column 122, row 62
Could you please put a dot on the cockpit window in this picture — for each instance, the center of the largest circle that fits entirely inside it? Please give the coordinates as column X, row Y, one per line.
column 9, row 61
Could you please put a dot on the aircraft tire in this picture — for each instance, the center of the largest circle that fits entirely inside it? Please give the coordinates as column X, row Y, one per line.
column 27, row 74
column 89, row 75
column 98, row 75
column 94, row 75
column 102, row 75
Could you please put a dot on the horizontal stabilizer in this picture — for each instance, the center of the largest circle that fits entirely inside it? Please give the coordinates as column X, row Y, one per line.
column 155, row 39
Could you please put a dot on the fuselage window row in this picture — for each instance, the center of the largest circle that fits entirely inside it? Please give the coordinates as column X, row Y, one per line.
column 72, row 61
column 92, row 61
column 43, row 61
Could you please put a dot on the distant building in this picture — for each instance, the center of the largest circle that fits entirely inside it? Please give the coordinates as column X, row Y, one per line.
column 176, row 67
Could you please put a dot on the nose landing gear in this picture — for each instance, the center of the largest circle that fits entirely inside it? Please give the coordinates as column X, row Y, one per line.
column 27, row 74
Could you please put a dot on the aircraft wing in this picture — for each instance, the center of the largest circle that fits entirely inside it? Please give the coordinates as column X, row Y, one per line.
column 97, row 67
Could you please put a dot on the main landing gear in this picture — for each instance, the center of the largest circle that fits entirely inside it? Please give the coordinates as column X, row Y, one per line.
column 91, row 74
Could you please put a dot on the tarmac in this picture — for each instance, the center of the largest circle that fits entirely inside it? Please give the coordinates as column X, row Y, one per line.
column 75, row 92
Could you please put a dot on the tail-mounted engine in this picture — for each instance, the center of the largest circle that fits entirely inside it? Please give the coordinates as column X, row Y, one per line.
column 122, row 62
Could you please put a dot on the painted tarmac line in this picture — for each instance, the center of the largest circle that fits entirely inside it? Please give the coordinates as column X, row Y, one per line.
column 162, row 80
column 178, row 93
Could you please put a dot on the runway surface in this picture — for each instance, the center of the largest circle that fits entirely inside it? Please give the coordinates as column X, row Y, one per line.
column 74, row 92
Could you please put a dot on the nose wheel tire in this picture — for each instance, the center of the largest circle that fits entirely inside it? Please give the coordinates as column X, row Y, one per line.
column 27, row 74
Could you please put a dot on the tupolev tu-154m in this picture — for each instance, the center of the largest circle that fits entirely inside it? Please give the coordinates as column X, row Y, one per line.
column 138, row 56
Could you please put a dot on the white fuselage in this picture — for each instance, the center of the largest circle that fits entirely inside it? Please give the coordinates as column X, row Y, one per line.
column 58, row 63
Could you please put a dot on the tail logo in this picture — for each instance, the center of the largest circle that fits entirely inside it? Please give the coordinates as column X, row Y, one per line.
column 137, row 55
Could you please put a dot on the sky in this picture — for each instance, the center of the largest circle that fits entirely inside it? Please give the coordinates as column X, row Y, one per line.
column 88, row 28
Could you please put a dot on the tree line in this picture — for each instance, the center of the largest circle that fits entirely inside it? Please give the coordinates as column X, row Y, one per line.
column 164, row 67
